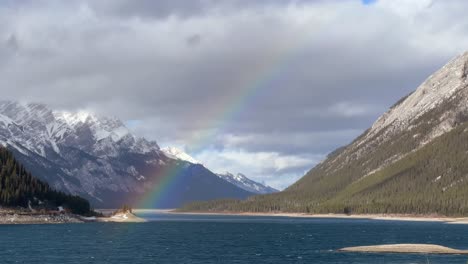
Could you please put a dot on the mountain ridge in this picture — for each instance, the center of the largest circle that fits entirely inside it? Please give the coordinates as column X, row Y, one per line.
column 179, row 154
column 411, row 160
column 240, row 180
column 99, row 158
column 247, row 184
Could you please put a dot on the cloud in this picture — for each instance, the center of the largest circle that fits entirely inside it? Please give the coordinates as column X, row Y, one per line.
column 296, row 78
column 289, row 142
column 407, row 8
column 271, row 167
column 194, row 39
column 349, row 109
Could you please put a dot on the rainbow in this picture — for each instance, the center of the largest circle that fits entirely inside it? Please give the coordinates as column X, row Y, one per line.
column 248, row 90
column 166, row 182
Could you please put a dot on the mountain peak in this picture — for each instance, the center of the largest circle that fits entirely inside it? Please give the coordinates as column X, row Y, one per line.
column 39, row 129
column 176, row 153
column 438, row 88
column 72, row 118
column 102, row 127
column 245, row 183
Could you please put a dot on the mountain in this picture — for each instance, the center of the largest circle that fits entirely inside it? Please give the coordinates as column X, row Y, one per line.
column 241, row 181
column 413, row 159
column 18, row 188
column 178, row 154
column 100, row 159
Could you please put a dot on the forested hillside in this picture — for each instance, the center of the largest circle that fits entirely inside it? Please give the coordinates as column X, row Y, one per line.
column 18, row 188
column 413, row 160
column 414, row 185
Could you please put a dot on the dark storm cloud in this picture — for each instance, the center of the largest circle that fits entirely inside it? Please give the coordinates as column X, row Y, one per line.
column 317, row 73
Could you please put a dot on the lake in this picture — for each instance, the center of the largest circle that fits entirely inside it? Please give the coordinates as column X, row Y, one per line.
column 225, row 239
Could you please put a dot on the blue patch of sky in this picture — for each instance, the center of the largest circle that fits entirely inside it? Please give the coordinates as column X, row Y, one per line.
column 132, row 123
column 368, row 2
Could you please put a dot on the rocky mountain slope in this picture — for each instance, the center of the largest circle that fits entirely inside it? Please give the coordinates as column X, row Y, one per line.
column 98, row 158
column 247, row 184
column 414, row 159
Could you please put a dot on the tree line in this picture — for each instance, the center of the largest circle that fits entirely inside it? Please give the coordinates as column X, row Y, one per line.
column 432, row 179
column 18, row 188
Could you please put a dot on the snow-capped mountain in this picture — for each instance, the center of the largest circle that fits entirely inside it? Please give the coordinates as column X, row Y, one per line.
column 245, row 183
column 175, row 153
column 35, row 127
column 239, row 180
column 99, row 158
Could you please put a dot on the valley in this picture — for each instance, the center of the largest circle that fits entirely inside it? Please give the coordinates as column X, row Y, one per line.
column 412, row 160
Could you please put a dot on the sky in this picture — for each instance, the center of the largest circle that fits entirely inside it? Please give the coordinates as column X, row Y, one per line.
column 266, row 88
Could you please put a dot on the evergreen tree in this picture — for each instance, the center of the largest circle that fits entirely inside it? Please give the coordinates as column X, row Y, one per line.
column 18, row 188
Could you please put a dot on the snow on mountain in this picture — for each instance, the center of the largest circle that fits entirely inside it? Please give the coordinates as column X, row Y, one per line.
column 238, row 180
column 104, row 130
column 245, row 183
column 6, row 120
column 38, row 128
column 176, row 153
column 99, row 158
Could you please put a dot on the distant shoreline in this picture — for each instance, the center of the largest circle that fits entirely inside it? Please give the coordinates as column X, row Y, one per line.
column 386, row 217
column 12, row 217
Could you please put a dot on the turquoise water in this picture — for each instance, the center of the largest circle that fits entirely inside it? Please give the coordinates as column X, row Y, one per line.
column 224, row 239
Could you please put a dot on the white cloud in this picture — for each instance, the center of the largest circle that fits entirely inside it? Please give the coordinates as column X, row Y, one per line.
column 349, row 109
column 405, row 8
column 274, row 168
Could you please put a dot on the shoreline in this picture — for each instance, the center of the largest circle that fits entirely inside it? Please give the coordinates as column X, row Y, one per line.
column 24, row 217
column 19, row 218
column 383, row 217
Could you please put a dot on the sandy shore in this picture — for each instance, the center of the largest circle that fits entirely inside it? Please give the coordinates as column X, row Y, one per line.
column 406, row 248
column 387, row 217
